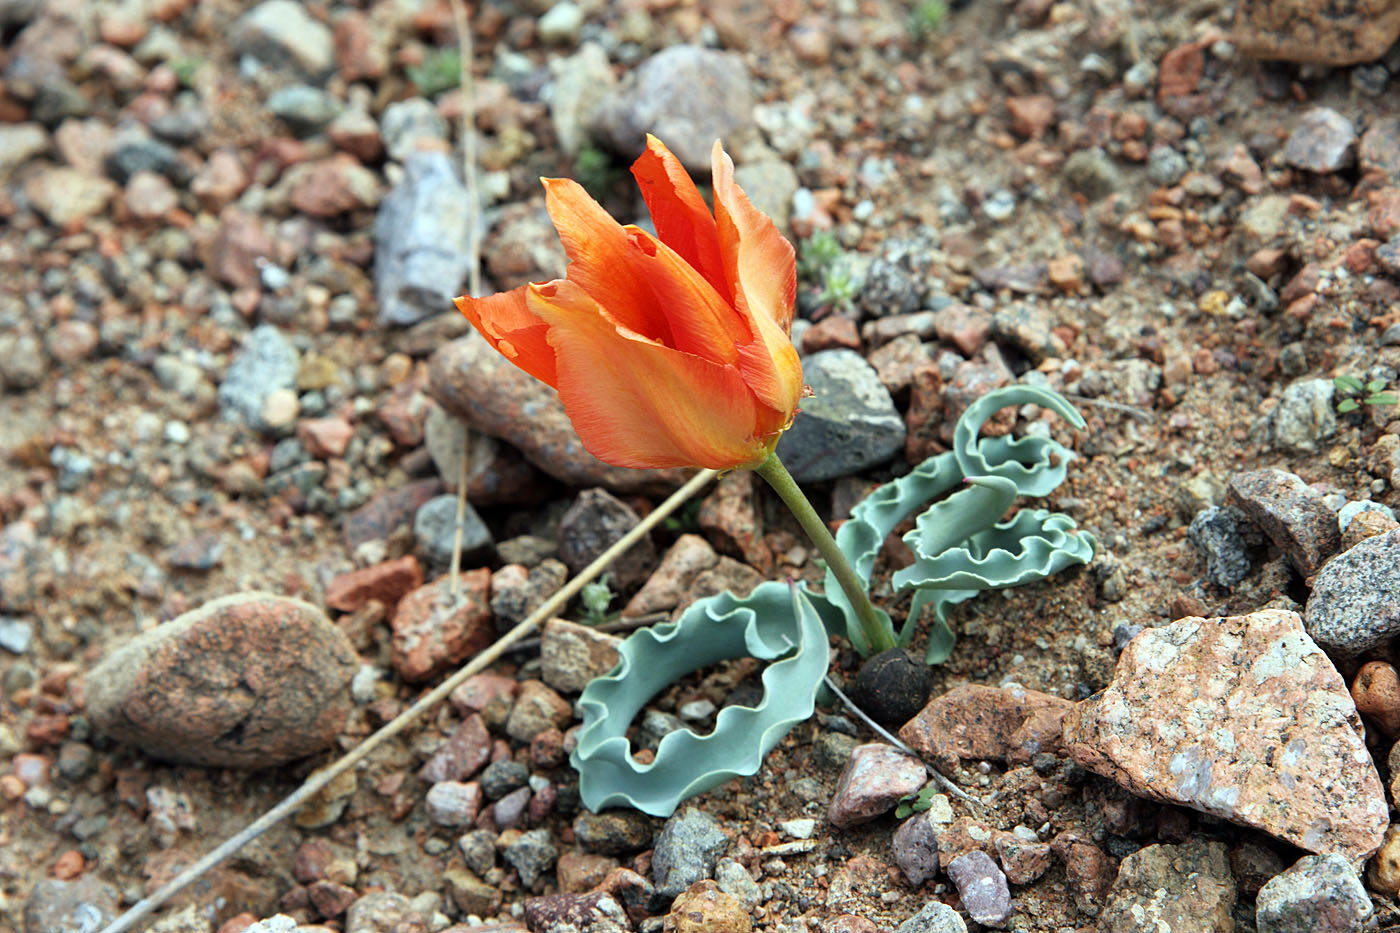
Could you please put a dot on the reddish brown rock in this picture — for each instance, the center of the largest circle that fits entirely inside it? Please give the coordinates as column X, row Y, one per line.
column 689, row 556
column 465, row 752
column 325, row 437
column 571, row 655
column 220, row 181
column 1343, row 32
column 387, row 582
column 246, row 681
column 832, row 332
column 595, row 911
column 327, row 187
column 1243, row 718
column 536, row 709
column 433, row 632
column 733, row 519
column 1031, row 115
column 988, row 723
column 234, row 253
column 386, row 510
column 1376, row 690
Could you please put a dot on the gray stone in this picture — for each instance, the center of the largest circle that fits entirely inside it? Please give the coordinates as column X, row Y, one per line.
column 849, row 425
column 453, row 803
column 15, row 635
column 143, row 154
column 1352, row 509
column 1165, row 166
column 686, row 851
column 501, row 777
column 306, row 110
column 382, row 911
column 435, row 529
column 1323, row 142
column 934, row 917
column 591, row 525
column 277, row 923
column 1092, row 173
column 281, row 33
column 580, row 82
column 420, row 235
column 982, row 887
column 571, row 655
column 20, row 142
column 915, row 846
column 406, row 122
column 1170, row 887
column 1296, row 521
column 1303, row 418
column 734, row 879
column 1318, row 894
column 83, row 906
column 1215, row 534
column 899, row 279
column 770, row 185
column 266, row 362
column 560, row 25
column 685, row 95
column 1355, row 600
column 533, row 855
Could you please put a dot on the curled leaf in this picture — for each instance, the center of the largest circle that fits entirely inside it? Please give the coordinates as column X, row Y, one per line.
column 776, row 622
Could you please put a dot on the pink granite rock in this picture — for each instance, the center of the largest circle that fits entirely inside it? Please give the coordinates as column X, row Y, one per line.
column 875, row 778
column 979, row 722
column 1241, row 717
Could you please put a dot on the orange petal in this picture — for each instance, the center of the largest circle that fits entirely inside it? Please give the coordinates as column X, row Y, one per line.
column 701, row 322
column 683, row 221
column 600, row 258
column 759, row 262
column 508, row 324
column 636, row 403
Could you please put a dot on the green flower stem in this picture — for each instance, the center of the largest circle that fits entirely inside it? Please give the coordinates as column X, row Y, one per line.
column 786, row 487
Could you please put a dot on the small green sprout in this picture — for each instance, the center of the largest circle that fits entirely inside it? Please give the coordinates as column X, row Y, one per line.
column 1360, row 393
column 926, row 17
column 910, row 804
column 596, row 171
column 816, row 256
column 596, row 597
column 440, row 71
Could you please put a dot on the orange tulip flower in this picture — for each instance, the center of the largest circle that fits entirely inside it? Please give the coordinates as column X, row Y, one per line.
column 667, row 350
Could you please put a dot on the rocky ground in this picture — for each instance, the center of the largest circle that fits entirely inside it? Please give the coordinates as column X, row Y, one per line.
column 229, row 369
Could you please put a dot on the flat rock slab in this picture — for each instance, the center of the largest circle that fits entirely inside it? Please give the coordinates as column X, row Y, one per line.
column 1343, row 32
column 975, row 721
column 250, row 680
column 492, row 396
column 1243, row 718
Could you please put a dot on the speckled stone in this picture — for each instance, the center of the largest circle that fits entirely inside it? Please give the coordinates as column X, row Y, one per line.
column 1243, row 718
column 982, row 887
column 1318, row 894
column 974, row 721
column 1294, row 519
column 1343, row 32
column 1323, row 142
column 704, row 908
column 874, row 780
column 1355, row 601
column 249, row 680
column 1167, row 887
column 432, row 631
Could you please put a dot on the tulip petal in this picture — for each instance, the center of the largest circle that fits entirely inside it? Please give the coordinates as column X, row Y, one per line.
column 508, row 324
column 682, row 218
column 636, row 403
column 701, row 321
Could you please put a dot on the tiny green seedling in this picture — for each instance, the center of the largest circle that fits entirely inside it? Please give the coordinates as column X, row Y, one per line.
column 926, row 18
column 440, row 71
column 910, row 804
column 817, row 254
column 596, row 597
column 1360, row 393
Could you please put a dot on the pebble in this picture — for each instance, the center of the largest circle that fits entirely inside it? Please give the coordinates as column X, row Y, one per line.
column 435, row 530
column 849, row 425
column 432, row 632
column 571, row 655
column 1355, row 601
column 305, row 109
column 516, row 592
column 705, row 908
column 982, row 723
column 614, row 832
column 898, row 278
column 81, row 906
column 592, row 524
column 16, row 635
column 1383, row 871
column 1304, row 417
column 915, row 843
column 686, row 95
column 536, row 709
column 420, row 235
column 1215, row 534
column 734, row 879
column 690, row 556
column 594, row 912
column 933, row 917
column 1294, row 519
column 532, row 855
column 23, row 363
column 68, row 196
column 1166, row 166
column 281, row 33
column 581, row 80
column 266, row 363
column 387, row 582
column 1300, row 31
column 405, row 124
column 20, row 142
column 246, row 681
column 1092, row 173
column 982, row 887
column 1323, row 142
column 131, row 156
column 1317, row 894
column 1181, row 724
column 560, row 25
column 380, row 912
column 332, row 186
column 690, row 844
column 464, row 753
column 875, row 778
column 501, row 777
column 1376, row 691
column 1172, row 887
column 474, row 382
